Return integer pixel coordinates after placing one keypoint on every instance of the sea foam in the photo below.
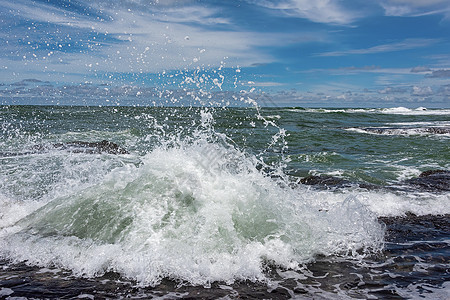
(197, 211)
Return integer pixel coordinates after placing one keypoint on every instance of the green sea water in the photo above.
(206, 195)
(315, 141)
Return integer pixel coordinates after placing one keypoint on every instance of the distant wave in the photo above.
(421, 124)
(417, 111)
(395, 110)
(404, 131)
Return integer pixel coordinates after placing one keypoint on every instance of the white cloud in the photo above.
(422, 91)
(420, 69)
(262, 83)
(415, 7)
(419, 3)
(148, 40)
(440, 60)
(393, 90)
(320, 11)
(406, 44)
(442, 73)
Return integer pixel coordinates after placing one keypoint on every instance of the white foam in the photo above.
(394, 204)
(12, 211)
(427, 123)
(426, 131)
(418, 111)
(395, 110)
(424, 291)
(198, 212)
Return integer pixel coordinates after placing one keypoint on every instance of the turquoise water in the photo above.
(208, 195)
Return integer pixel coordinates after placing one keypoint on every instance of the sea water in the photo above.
(209, 200)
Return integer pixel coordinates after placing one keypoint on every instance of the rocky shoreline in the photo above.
(410, 239)
(427, 181)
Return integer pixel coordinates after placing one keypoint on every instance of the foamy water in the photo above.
(210, 203)
(419, 111)
(178, 215)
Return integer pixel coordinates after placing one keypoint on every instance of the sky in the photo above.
(322, 53)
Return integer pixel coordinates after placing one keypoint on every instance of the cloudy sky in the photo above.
(379, 53)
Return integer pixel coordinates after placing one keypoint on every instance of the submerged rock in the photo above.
(91, 147)
(438, 130)
(433, 172)
(74, 147)
(428, 181)
(407, 130)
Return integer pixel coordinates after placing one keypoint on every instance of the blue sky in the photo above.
(380, 53)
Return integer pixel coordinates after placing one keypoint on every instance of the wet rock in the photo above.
(325, 181)
(431, 181)
(73, 147)
(438, 130)
(91, 147)
(414, 227)
(407, 130)
(331, 182)
(433, 172)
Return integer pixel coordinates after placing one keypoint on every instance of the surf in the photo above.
(194, 208)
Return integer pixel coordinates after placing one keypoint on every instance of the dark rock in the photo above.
(325, 180)
(378, 130)
(431, 180)
(74, 147)
(407, 130)
(369, 186)
(414, 227)
(432, 172)
(438, 130)
(91, 147)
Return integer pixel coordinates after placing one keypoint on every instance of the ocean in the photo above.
(224, 202)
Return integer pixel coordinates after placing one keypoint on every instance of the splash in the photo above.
(190, 202)
(197, 209)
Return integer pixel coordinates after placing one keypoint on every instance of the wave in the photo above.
(193, 208)
(197, 212)
(417, 111)
(441, 131)
(422, 124)
(395, 110)
(335, 110)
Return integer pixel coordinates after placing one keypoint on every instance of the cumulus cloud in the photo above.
(444, 91)
(393, 90)
(421, 91)
(33, 91)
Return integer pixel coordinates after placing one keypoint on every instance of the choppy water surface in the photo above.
(232, 202)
